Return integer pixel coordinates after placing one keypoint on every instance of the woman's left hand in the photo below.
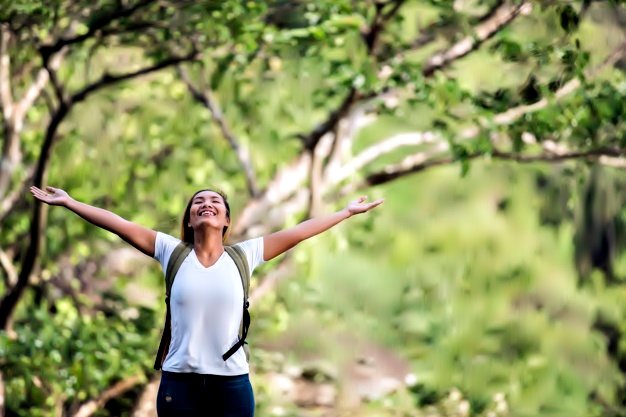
(360, 206)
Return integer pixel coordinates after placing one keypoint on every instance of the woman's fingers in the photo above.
(48, 190)
(35, 191)
(374, 204)
(40, 194)
(37, 195)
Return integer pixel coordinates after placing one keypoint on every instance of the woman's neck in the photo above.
(208, 246)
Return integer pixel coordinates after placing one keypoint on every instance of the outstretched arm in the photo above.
(138, 236)
(277, 243)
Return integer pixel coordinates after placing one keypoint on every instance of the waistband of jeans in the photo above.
(190, 376)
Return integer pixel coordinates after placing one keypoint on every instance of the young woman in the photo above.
(206, 297)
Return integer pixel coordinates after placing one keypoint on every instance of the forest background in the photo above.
(490, 283)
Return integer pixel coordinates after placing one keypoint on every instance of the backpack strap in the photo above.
(239, 257)
(176, 259)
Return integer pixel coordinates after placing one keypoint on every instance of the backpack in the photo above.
(176, 259)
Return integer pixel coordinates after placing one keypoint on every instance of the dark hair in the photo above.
(186, 231)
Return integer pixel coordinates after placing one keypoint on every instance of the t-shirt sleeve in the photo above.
(163, 248)
(253, 248)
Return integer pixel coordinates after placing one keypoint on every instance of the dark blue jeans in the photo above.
(195, 395)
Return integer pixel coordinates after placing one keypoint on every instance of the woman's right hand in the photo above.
(52, 196)
(140, 237)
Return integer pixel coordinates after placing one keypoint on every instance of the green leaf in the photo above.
(568, 18)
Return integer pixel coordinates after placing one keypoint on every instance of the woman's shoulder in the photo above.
(164, 245)
(166, 238)
(253, 248)
(248, 244)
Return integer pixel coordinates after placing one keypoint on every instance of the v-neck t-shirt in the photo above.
(206, 307)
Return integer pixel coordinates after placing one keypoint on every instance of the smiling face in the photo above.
(207, 208)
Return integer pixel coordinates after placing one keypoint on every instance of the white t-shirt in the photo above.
(206, 307)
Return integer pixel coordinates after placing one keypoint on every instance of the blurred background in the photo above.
(491, 282)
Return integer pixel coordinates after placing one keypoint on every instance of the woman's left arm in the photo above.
(277, 243)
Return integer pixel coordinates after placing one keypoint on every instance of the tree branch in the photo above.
(504, 15)
(6, 97)
(273, 217)
(318, 156)
(504, 118)
(29, 262)
(379, 149)
(96, 25)
(590, 154)
(409, 165)
(90, 407)
(10, 157)
(515, 113)
(311, 139)
(290, 179)
(380, 20)
(48, 100)
(613, 162)
(9, 269)
(10, 201)
(429, 34)
(57, 86)
(498, 17)
(13, 125)
(37, 87)
(207, 100)
(370, 37)
(286, 182)
(2, 395)
(108, 79)
(344, 137)
(422, 161)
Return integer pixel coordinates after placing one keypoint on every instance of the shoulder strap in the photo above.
(239, 257)
(173, 265)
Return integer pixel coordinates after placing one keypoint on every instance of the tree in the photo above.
(356, 66)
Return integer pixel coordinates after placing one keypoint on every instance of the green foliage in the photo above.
(63, 357)
(482, 277)
(469, 302)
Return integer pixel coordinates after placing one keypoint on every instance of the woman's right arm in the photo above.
(138, 236)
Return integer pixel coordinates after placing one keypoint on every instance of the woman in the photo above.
(206, 297)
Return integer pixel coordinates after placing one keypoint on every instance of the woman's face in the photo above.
(208, 210)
